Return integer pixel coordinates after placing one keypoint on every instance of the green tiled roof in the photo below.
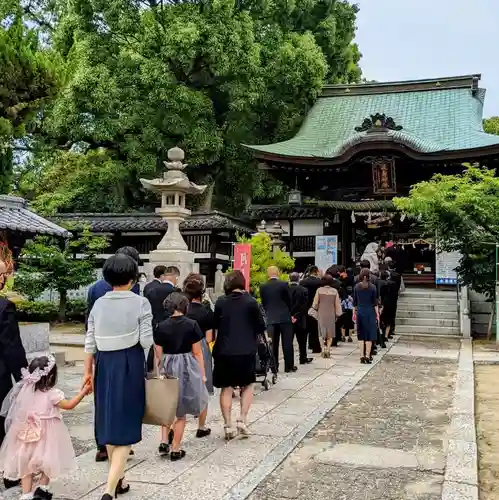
(434, 116)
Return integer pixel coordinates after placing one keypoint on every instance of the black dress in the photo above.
(238, 321)
(389, 297)
(365, 300)
(203, 315)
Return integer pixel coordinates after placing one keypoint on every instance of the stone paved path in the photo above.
(213, 469)
(387, 439)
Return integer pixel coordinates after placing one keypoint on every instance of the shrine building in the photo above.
(360, 146)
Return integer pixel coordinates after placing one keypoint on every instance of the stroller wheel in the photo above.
(274, 378)
(266, 384)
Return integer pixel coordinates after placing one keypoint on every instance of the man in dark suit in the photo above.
(299, 312)
(159, 276)
(276, 300)
(312, 282)
(157, 296)
(12, 355)
(160, 292)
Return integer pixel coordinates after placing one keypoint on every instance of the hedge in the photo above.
(45, 311)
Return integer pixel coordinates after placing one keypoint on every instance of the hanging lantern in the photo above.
(369, 219)
(402, 217)
(336, 218)
(352, 217)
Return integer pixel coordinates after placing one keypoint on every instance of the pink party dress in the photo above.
(37, 439)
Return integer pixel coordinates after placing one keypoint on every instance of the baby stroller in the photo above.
(265, 363)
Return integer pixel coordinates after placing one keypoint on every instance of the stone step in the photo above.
(426, 308)
(423, 323)
(415, 302)
(425, 330)
(425, 294)
(431, 315)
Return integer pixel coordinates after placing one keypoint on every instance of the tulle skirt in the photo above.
(52, 454)
(193, 396)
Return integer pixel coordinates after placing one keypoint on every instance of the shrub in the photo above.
(44, 311)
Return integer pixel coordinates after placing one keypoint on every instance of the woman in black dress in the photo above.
(238, 323)
(194, 290)
(389, 296)
(365, 314)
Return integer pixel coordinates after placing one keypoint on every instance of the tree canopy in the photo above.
(461, 212)
(28, 81)
(141, 76)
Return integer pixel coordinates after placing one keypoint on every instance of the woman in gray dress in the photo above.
(178, 344)
(328, 306)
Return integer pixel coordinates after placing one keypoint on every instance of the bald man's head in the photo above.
(273, 272)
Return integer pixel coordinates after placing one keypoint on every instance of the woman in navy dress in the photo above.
(365, 314)
(119, 329)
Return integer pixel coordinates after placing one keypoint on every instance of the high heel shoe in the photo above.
(120, 489)
(230, 432)
(242, 429)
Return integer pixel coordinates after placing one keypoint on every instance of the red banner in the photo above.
(242, 260)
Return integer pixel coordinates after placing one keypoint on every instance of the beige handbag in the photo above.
(162, 395)
(312, 312)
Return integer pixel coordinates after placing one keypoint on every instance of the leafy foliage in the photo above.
(46, 265)
(27, 82)
(145, 75)
(462, 213)
(44, 311)
(262, 257)
(491, 125)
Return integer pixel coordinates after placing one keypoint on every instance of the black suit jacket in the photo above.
(312, 284)
(276, 300)
(12, 355)
(157, 297)
(299, 304)
(150, 287)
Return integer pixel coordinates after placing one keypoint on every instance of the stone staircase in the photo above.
(422, 311)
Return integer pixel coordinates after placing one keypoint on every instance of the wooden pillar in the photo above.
(345, 238)
(291, 235)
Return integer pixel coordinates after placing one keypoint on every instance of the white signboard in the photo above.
(445, 269)
(326, 251)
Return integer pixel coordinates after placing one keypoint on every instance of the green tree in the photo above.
(461, 213)
(262, 257)
(491, 125)
(145, 75)
(45, 264)
(27, 83)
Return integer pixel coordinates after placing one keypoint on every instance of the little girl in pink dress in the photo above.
(37, 442)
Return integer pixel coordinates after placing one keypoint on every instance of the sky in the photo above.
(417, 39)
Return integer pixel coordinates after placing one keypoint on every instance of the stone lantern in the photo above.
(173, 188)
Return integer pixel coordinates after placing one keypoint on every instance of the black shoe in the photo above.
(132, 453)
(362, 361)
(101, 456)
(164, 449)
(41, 494)
(120, 489)
(201, 433)
(106, 496)
(374, 352)
(350, 339)
(290, 370)
(368, 361)
(306, 361)
(177, 455)
(390, 336)
(8, 483)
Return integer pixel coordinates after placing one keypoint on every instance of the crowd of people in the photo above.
(172, 330)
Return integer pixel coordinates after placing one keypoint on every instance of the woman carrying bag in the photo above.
(178, 347)
(119, 329)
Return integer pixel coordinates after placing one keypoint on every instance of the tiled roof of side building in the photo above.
(139, 221)
(15, 216)
(427, 116)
